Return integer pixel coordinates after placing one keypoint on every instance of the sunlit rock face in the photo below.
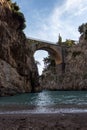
(18, 72)
(75, 75)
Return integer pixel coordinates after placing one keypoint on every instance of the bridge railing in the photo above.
(44, 41)
(48, 42)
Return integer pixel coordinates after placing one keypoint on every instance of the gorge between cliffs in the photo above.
(55, 100)
(18, 70)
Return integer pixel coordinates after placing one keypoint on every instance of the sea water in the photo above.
(48, 102)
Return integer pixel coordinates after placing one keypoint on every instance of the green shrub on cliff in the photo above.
(69, 42)
(21, 19)
(15, 7)
(17, 14)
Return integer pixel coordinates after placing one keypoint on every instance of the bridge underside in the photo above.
(54, 50)
(55, 55)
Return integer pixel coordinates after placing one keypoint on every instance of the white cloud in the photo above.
(63, 19)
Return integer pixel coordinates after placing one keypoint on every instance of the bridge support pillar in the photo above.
(60, 69)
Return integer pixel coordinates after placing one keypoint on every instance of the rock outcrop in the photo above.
(75, 76)
(18, 71)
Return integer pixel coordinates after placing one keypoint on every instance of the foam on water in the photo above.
(45, 111)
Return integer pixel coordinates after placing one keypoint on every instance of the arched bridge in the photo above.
(54, 50)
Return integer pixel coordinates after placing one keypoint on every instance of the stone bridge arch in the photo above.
(54, 50)
(56, 55)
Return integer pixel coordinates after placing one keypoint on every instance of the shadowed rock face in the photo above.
(18, 72)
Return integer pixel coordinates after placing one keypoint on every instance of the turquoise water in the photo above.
(45, 102)
(47, 98)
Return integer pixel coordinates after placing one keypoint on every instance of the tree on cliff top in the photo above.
(17, 14)
(83, 30)
(59, 40)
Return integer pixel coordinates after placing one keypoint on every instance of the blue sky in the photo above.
(45, 19)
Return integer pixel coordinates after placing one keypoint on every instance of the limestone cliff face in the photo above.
(75, 76)
(18, 72)
(76, 66)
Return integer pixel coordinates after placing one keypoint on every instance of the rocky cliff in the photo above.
(18, 72)
(75, 76)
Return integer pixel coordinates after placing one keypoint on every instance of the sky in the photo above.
(45, 19)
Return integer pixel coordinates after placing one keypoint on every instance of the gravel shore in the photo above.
(75, 121)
